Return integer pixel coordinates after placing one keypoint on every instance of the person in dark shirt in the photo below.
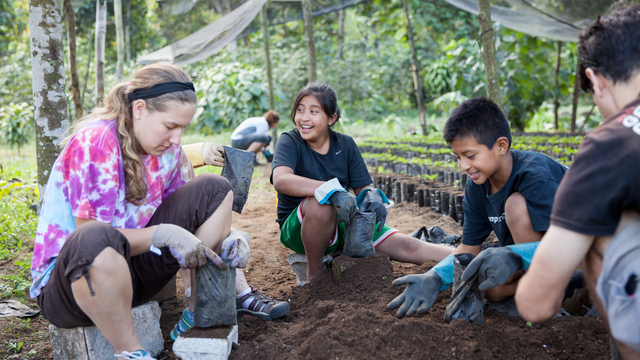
(313, 169)
(511, 193)
(595, 219)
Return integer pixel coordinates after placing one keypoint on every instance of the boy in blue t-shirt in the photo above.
(511, 193)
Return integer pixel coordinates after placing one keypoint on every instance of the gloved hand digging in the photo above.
(373, 202)
(184, 247)
(236, 247)
(419, 296)
(494, 266)
(345, 202)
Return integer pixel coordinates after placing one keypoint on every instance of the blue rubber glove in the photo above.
(496, 265)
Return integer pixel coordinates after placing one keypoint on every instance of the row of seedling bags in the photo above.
(441, 200)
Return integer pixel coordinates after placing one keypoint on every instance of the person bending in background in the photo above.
(312, 169)
(511, 193)
(253, 134)
(596, 214)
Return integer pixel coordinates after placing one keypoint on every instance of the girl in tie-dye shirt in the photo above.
(122, 211)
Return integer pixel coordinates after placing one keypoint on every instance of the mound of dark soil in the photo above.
(345, 317)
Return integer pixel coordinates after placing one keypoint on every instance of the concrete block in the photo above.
(87, 343)
(168, 292)
(194, 345)
(299, 265)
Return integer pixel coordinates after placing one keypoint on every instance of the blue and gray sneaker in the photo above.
(261, 306)
(136, 355)
(185, 323)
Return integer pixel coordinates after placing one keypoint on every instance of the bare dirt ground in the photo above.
(348, 320)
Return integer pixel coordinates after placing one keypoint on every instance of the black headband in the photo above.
(160, 89)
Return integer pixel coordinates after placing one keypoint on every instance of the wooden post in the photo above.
(488, 39)
(417, 81)
(267, 62)
(576, 93)
(74, 89)
(556, 102)
(311, 47)
(117, 11)
(101, 32)
(48, 84)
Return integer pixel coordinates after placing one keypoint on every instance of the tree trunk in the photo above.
(308, 33)
(117, 11)
(488, 38)
(417, 81)
(267, 63)
(127, 32)
(101, 32)
(340, 36)
(86, 74)
(556, 102)
(74, 89)
(48, 84)
(576, 93)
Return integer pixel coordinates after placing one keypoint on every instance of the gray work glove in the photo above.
(373, 202)
(419, 296)
(236, 248)
(213, 154)
(184, 247)
(494, 266)
(346, 205)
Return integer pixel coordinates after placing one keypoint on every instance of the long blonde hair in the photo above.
(117, 106)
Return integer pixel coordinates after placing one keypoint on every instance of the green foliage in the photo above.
(15, 123)
(228, 94)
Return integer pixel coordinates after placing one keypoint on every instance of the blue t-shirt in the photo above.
(342, 161)
(535, 176)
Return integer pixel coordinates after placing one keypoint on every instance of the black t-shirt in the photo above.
(342, 161)
(604, 179)
(535, 176)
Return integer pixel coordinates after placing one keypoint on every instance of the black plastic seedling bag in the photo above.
(358, 240)
(215, 295)
(435, 235)
(238, 169)
(466, 298)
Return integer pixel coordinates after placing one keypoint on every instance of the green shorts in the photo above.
(290, 233)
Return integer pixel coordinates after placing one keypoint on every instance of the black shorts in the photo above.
(189, 207)
(245, 142)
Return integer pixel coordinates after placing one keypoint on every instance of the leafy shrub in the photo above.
(15, 123)
(228, 94)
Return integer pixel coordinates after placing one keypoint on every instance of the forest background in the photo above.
(364, 55)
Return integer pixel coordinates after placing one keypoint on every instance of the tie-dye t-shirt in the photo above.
(87, 182)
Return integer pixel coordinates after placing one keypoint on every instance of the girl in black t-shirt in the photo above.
(313, 168)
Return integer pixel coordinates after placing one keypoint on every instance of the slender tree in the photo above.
(488, 39)
(74, 89)
(308, 34)
(556, 101)
(267, 63)
(576, 93)
(417, 81)
(117, 11)
(48, 83)
(101, 32)
(127, 32)
(340, 35)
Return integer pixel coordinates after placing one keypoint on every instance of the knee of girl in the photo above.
(313, 210)
(213, 181)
